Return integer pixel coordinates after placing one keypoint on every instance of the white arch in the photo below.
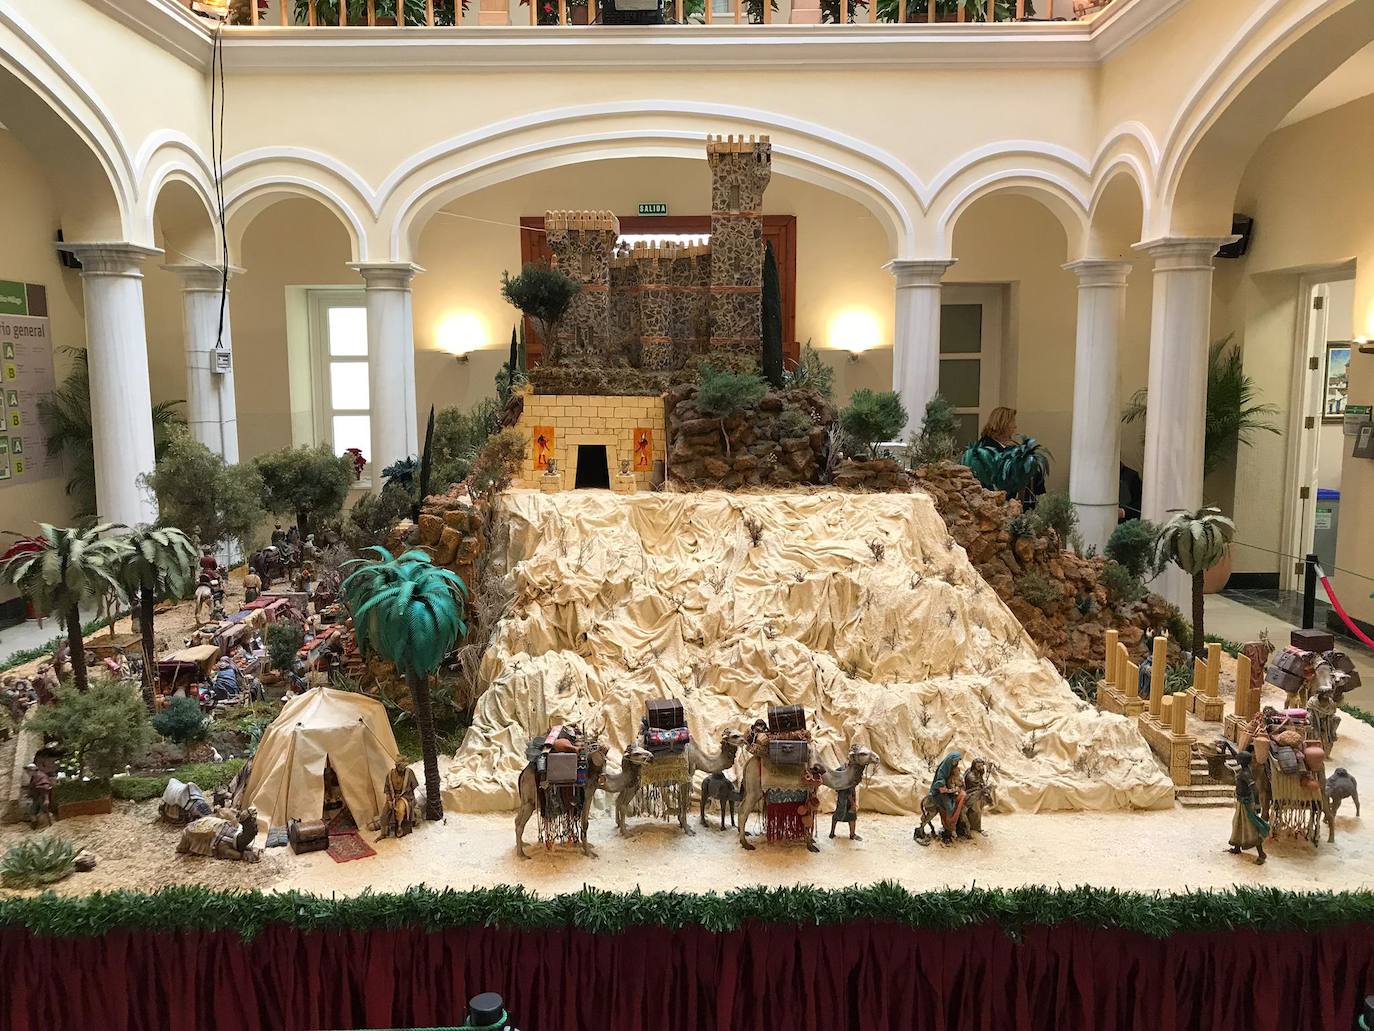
(34, 62)
(1066, 200)
(169, 156)
(246, 202)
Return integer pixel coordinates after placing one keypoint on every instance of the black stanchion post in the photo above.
(1309, 592)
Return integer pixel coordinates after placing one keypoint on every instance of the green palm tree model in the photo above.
(75, 566)
(158, 565)
(1195, 542)
(410, 611)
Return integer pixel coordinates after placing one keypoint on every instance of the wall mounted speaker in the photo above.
(1244, 227)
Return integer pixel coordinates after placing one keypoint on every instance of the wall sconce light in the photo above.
(854, 330)
(460, 333)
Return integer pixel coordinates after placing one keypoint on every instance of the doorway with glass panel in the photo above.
(970, 354)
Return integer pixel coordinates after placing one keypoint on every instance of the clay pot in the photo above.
(1214, 580)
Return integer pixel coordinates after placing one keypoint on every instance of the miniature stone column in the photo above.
(121, 400)
(211, 412)
(1175, 424)
(740, 171)
(1178, 717)
(1095, 451)
(916, 335)
(1199, 676)
(1213, 669)
(1109, 657)
(390, 363)
(1244, 696)
(1158, 665)
(1124, 683)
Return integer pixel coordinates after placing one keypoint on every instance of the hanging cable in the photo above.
(217, 96)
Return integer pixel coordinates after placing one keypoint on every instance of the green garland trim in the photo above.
(1358, 713)
(1157, 915)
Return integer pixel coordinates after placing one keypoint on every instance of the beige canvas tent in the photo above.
(349, 730)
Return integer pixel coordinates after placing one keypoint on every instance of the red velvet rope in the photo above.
(1340, 610)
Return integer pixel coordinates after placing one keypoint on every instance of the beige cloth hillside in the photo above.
(350, 730)
(619, 599)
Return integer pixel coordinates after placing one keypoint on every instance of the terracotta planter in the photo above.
(1214, 580)
(85, 807)
(580, 15)
(386, 21)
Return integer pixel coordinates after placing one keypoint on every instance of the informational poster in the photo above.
(26, 378)
(1356, 417)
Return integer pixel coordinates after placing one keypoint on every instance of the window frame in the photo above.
(319, 303)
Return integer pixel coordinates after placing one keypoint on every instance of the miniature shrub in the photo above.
(1177, 626)
(138, 789)
(373, 515)
(722, 393)
(1038, 589)
(1023, 525)
(37, 861)
(1122, 586)
(102, 730)
(793, 422)
(182, 721)
(873, 417)
(458, 436)
(284, 638)
(544, 294)
(1056, 512)
(1132, 545)
(309, 483)
(938, 438)
(70, 789)
(810, 373)
(499, 462)
(206, 776)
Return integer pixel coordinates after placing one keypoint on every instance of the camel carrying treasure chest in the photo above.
(665, 784)
(779, 775)
(1290, 774)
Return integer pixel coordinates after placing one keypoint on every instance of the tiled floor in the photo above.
(1236, 616)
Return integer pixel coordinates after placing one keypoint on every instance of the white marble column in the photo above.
(1175, 422)
(916, 334)
(390, 362)
(117, 354)
(1095, 451)
(210, 410)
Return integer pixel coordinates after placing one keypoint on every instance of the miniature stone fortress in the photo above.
(655, 305)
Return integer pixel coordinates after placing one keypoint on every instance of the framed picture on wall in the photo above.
(1336, 381)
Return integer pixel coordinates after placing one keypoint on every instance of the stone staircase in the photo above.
(1206, 791)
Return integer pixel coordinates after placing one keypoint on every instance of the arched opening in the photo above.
(1007, 321)
(841, 299)
(295, 286)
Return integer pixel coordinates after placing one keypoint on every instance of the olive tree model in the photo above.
(410, 612)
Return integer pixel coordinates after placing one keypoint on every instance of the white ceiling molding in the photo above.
(166, 23)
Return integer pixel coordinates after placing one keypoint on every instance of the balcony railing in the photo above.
(447, 13)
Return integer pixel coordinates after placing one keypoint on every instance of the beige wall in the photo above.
(1354, 575)
(28, 224)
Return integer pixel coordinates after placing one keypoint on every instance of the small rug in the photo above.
(346, 847)
(276, 837)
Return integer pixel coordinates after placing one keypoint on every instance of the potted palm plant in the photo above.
(1195, 542)
(1234, 416)
(409, 611)
(948, 10)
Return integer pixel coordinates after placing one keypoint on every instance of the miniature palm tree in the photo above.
(411, 612)
(158, 565)
(1195, 542)
(74, 566)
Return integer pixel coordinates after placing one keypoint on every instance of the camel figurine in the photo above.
(597, 780)
(759, 776)
(219, 838)
(719, 788)
(701, 761)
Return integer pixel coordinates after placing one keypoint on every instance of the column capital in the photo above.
(199, 277)
(1092, 272)
(919, 271)
(110, 258)
(1183, 253)
(386, 275)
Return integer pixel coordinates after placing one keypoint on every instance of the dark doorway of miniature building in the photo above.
(592, 469)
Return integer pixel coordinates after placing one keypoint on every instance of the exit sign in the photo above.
(653, 209)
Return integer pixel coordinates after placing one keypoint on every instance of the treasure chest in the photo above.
(1290, 669)
(1312, 640)
(665, 714)
(788, 753)
(307, 835)
(561, 768)
(786, 718)
(656, 740)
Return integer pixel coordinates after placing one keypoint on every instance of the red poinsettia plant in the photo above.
(358, 461)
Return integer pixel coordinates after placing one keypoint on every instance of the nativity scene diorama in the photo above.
(664, 595)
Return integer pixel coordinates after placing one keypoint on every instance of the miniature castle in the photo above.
(656, 304)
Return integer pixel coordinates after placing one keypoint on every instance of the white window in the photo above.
(970, 331)
(338, 339)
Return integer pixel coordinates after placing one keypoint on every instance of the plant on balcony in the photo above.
(948, 10)
(830, 10)
(384, 11)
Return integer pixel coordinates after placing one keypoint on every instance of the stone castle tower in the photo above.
(740, 170)
(582, 242)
